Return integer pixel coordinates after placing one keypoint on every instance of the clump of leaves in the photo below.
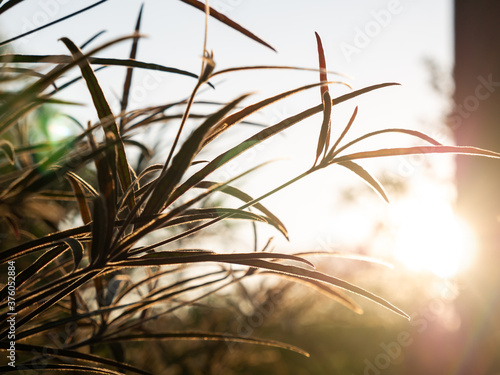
(78, 284)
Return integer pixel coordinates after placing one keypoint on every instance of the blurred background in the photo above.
(440, 231)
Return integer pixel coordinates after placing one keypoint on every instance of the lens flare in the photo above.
(434, 239)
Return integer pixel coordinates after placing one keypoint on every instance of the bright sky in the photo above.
(372, 41)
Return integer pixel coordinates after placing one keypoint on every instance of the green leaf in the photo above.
(8, 149)
(322, 65)
(65, 59)
(461, 150)
(222, 18)
(53, 369)
(9, 4)
(91, 39)
(15, 2)
(413, 133)
(230, 190)
(369, 179)
(272, 67)
(106, 117)
(166, 258)
(205, 336)
(65, 353)
(342, 135)
(128, 78)
(81, 198)
(324, 136)
(359, 257)
(101, 231)
(324, 289)
(77, 251)
(315, 275)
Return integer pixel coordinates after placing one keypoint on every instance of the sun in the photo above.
(433, 238)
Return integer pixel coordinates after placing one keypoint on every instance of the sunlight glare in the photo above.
(59, 128)
(434, 239)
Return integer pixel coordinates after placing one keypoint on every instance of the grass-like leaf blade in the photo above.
(324, 135)
(128, 78)
(65, 353)
(76, 249)
(106, 116)
(222, 18)
(369, 179)
(458, 150)
(323, 288)
(8, 149)
(235, 192)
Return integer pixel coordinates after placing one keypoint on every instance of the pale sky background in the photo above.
(399, 36)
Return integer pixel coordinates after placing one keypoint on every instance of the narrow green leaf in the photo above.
(53, 369)
(359, 257)
(60, 352)
(222, 18)
(83, 183)
(325, 289)
(272, 67)
(322, 65)
(460, 150)
(9, 4)
(101, 231)
(91, 39)
(154, 259)
(230, 190)
(77, 251)
(8, 149)
(212, 213)
(315, 275)
(22, 73)
(81, 198)
(6, 6)
(128, 78)
(65, 59)
(324, 135)
(205, 336)
(413, 133)
(176, 253)
(342, 135)
(106, 117)
(369, 179)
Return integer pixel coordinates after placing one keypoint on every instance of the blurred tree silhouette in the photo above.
(475, 121)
